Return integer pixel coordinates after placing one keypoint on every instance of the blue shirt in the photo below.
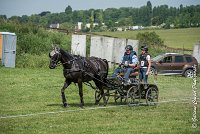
(134, 59)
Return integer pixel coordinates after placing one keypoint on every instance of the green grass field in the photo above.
(34, 91)
(175, 38)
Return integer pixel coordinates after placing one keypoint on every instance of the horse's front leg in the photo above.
(80, 85)
(66, 84)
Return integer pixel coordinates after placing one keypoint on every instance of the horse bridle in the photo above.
(59, 56)
(57, 60)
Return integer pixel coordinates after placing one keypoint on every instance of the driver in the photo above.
(129, 62)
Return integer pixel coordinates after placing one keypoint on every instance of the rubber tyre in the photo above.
(152, 96)
(189, 73)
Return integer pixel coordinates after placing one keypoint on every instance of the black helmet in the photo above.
(129, 47)
(144, 48)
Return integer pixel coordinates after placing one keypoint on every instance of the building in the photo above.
(88, 25)
(55, 26)
(79, 25)
(136, 27)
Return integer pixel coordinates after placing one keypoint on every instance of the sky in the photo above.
(29, 7)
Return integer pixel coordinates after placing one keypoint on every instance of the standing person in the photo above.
(145, 64)
(129, 61)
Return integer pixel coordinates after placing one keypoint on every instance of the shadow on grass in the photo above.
(72, 105)
(99, 105)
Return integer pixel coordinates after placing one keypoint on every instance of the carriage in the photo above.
(131, 93)
(80, 70)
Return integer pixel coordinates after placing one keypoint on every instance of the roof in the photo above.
(171, 53)
(176, 54)
(7, 33)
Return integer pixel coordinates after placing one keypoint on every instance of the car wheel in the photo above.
(189, 73)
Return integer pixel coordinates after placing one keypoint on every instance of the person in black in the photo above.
(129, 62)
(145, 64)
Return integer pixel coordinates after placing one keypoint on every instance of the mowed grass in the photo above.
(175, 38)
(32, 91)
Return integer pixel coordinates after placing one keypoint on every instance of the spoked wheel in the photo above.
(133, 95)
(116, 96)
(152, 96)
(99, 96)
(119, 98)
(106, 95)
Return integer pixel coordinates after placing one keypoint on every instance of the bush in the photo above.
(34, 42)
(32, 61)
(153, 41)
(149, 38)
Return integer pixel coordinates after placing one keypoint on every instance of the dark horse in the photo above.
(78, 69)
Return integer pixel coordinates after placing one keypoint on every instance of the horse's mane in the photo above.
(66, 54)
(69, 55)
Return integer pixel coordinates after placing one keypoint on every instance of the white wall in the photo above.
(134, 44)
(111, 49)
(102, 47)
(118, 49)
(196, 52)
(78, 45)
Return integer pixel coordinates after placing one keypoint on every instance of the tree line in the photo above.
(147, 15)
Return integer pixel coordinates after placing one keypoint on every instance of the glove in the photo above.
(126, 64)
(121, 64)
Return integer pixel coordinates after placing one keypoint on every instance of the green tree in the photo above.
(149, 38)
(91, 19)
(24, 19)
(43, 21)
(156, 21)
(99, 17)
(149, 13)
(68, 10)
(3, 17)
(126, 21)
(44, 13)
(195, 20)
(109, 24)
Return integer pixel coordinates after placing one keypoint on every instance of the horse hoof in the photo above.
(104, 104)
(96, 103)
(81, 105)
(65, 105)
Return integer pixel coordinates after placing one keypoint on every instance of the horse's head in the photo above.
(55, 57)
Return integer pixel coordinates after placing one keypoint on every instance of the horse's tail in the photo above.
(107, 67)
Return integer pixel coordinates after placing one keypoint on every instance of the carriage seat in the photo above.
(132, 75)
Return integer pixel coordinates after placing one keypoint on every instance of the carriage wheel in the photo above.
(116, 96)
(152, 96)
(106, 95)
(119, 98)
(98, 96)
(133, 95)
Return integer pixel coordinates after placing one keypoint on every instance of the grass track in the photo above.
(26, 91)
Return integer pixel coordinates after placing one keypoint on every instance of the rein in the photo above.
(59, 62)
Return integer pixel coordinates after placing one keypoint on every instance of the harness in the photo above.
(143, 60)
(84, 67)
(128, 57)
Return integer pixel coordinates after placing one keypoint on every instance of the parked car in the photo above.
(174, 63)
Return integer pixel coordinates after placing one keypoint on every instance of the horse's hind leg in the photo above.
(80, 85)
(100, 87)
(66, 84)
